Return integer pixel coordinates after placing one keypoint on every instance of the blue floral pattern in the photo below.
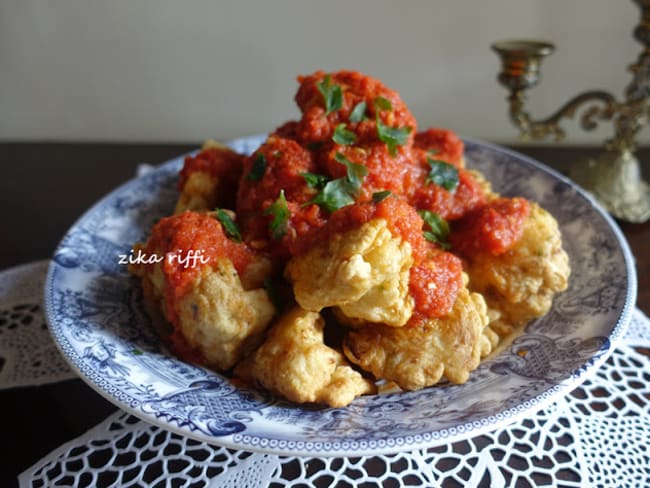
(97, 317)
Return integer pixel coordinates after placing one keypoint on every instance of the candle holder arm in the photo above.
(604, 107)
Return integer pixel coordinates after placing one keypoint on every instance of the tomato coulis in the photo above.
(316, 125)
(494, 228)
(386, 172)
(441, 144)
(450, 205)
(221, 163)
(285, 163)
(434, 284)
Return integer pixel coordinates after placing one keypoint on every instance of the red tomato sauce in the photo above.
(223, 164)
(441, 144)
(285, 161)
(494, 228)
(385, 172)
(450, 205)
(434, 285)
(318, 126)
(190, 231)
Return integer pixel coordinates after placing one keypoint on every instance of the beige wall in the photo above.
(183, 71)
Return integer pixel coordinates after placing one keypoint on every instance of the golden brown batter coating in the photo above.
(519, 284)
(294, 363)
(415, 357)
(222, 319)
(209, 179)
(364, 271)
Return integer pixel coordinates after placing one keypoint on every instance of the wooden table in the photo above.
(45, 187)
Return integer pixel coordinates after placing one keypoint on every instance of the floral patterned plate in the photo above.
(96, 315)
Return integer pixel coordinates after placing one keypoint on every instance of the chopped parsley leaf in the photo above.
(343, 136)
(258, 169)
(332, 94)
(334, 195)
(341, 191)
(378, 196)
(392, 136)
(443, 174)
(356, 172)
(358, 112)
(314, 180)
(280, 212)
(438, 228)
(382, 103)
(229, 226)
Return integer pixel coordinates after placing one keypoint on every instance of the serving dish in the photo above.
(97, 317)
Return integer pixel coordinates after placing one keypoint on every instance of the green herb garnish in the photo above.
(229, 226)
(343, 136)
(280, 212)
(358, 112)
(336, 194)
(438, 228)
(355, 174)
(382, 103)
(258, 169)
(443, 174)
(392, 136)
(136, 352)
(341, 191)
(315, 180)
(378, 196)
(332, 94)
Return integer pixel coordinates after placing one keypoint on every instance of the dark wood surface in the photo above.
(45, 187)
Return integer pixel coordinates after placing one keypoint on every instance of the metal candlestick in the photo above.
(614, 178)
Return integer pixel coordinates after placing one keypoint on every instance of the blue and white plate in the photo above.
(96, 315)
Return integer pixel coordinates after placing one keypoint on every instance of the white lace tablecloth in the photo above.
(599, 435)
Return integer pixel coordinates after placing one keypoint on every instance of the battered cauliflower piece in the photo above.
(209, 179)
(198, 193)
(519, 284)
(221, 319)
(418, 356)
(217, 307)
(294, 363)
(363, 271)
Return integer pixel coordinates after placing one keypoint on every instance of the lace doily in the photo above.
(27, 353)
(596, 436)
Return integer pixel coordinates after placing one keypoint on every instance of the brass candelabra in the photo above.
(614, 178)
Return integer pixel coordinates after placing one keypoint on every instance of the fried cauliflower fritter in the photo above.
(294, 363)
(222, 319)
(418, 356)
(217, 307)
(363, 271)
(209, 179)
(198, 193)
(519, 284)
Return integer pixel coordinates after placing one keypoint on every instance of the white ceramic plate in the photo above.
(96, 315)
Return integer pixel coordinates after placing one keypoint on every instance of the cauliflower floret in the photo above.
(294, 363)
(209, 179)
(198, 193)
(216, 305)
(418, 356)
(519, 284)
(222, 319)
(364, 271)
